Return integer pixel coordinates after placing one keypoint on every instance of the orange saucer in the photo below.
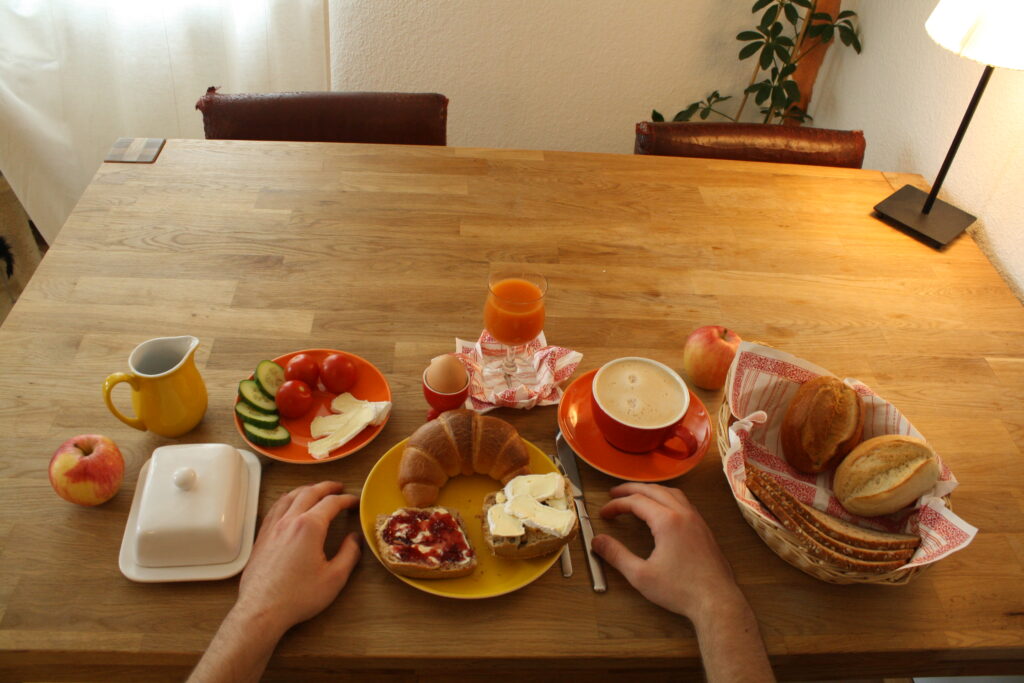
(576, 420)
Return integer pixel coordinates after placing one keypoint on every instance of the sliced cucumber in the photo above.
(254, 417)
(278, 436)
(251, 394)
(269, 377)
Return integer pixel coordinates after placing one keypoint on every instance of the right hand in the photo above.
(686, 572)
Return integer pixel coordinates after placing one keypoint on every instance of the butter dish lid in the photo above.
(193, 514)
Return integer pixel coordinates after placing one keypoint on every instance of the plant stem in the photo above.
(723, 114)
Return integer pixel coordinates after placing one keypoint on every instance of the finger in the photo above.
(650, 511)
(347, 556)
(278, 509)
(617, 555)
(671, 497)
(308, 496)
(329, 506)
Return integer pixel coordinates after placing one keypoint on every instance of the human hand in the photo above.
(686, 572)
(288, 578)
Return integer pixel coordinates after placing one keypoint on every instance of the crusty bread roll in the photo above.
(459, 442)
(425, 543)
(885, 474)
(822, 424)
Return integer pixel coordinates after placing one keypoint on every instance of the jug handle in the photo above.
(108, 385)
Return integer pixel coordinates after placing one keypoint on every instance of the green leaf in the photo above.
(806, 4)
(779, 98)
(749, 35)
(815, 30)
(760, 4)
(792, 15)
(685, 114)
(704, 113)
(776, 29)
(784, 40)
(771, 15)
(792, 91)
(846, 13)
(845, 35)
(782, 52)
(656, 115)
(723, 99)
(749, 49)
(822, 16)
(787, 70)
(762, 95)
(766, 56)
(827, 34)
(856, 43)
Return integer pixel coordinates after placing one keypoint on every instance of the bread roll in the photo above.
(459, 442)
(534, 542)
(885, 474)
(822, 424)
(425, 543)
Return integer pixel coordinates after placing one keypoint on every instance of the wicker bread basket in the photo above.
(786, 545)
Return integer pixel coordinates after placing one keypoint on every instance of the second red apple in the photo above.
(707, 355)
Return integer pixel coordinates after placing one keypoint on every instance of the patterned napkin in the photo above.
(762, 380)
(541, 369)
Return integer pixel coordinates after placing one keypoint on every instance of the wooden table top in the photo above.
(264, 248)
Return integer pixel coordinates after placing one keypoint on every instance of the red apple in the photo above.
(707, 355)
(87, 469)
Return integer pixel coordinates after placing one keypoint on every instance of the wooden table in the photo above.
(264, 248)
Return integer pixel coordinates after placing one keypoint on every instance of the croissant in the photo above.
(459, 442)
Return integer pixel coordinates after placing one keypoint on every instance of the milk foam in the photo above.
(639, 394)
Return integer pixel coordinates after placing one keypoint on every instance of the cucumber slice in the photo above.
(278, 436)
(269, 377)
(251, 394)
(248, 414)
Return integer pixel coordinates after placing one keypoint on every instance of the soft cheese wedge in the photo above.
(352, 416)
(347, 402)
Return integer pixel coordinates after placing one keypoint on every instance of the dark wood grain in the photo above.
(263, 248)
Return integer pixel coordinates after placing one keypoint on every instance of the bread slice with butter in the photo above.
(534, 540)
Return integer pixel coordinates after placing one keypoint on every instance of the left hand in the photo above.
(288, 578)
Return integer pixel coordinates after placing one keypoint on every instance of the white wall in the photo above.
(542, 74)
(909, 94)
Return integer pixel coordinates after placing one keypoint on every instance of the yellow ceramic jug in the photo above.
(168, 393)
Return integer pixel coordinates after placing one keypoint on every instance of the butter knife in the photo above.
(566, 556)
(572, 473)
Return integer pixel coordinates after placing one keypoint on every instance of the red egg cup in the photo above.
(439, 402)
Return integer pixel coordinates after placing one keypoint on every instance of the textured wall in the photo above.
(542, 74)
(909, 94)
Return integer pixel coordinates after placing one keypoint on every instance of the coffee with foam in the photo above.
(639, 393)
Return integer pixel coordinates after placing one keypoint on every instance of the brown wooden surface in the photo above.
(264, 248)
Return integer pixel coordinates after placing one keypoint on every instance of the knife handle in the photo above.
(596, 570)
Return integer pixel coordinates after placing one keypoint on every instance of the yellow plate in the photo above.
(494, 575)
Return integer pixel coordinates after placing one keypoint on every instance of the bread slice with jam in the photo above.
(425, 543)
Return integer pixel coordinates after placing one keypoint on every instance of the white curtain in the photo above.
(77, 74)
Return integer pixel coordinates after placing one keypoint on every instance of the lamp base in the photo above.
(936, 229)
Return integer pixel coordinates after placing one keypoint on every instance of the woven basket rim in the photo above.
(783, 542)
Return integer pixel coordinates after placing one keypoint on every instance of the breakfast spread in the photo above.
(531, 516)
(885, 474)
(822, 424)
(424, 543)
(459, 442)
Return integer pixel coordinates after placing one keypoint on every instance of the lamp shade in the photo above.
(987, 31)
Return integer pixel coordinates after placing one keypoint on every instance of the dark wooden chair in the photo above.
(373, 117)
(752, 142)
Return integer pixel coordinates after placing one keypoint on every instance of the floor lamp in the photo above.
(986, 31)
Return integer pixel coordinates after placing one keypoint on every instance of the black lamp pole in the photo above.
(927, 218)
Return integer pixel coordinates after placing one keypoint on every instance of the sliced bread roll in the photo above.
(425, 543)
(885, 474)
(533, 542)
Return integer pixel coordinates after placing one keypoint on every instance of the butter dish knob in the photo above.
(185, 478)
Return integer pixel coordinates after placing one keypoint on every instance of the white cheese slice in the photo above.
(535, 514)
(346, 402)
(355, 422)
(501, 523)
(539, 486)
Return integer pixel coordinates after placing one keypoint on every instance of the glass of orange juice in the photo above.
(514, 312)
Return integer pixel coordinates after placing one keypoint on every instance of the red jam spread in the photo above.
(427, 537)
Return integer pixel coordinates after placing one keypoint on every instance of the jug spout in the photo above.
(162, 356)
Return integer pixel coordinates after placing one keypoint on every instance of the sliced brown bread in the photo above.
(534, 543)
(425, 543)
(840, 530)
(810, 540)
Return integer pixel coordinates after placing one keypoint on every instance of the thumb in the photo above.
(344, 561)
(617, 555)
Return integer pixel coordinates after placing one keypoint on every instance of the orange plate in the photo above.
(576, 420)
(370, 386)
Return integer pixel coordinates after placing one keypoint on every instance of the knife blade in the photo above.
(566, 556)
(572, 473)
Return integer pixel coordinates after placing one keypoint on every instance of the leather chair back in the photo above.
(752, 142)
(372, 117)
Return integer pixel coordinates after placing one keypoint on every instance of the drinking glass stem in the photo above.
(508, 366)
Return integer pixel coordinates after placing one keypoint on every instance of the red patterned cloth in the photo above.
(541, 371)
(761, 383)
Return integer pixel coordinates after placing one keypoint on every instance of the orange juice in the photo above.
(514, 312)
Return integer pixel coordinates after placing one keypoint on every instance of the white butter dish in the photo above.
(193, 515)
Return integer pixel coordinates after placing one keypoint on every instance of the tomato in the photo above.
(338, 373)
(294, 398)
(304, 367)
